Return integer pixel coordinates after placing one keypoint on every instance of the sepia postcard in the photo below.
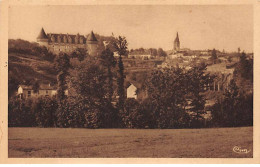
(129, 82)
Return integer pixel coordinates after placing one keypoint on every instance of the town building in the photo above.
(140, 56)
(67, 43)
(175, 55)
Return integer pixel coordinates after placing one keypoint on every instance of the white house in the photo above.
(131, 91)
(134, 89)
(25, 91)
(116, 54)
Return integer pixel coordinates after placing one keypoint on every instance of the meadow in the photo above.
(129, 143)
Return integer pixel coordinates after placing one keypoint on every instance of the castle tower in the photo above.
(42, 38)
(176, 44)
(92, 44)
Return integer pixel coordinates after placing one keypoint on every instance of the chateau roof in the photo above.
(92, 37)
(42, 35)
(66, 38)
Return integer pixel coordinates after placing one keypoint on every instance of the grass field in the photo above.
(167, 143)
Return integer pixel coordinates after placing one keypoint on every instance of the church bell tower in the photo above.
(176, 43)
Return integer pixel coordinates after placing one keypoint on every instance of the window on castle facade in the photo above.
(65, 39)
(59, 39)
(70, 40)
(76, 39)
(53, 39)
(81, 40)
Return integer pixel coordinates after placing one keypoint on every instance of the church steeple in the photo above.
(176, 44)
(177, 38)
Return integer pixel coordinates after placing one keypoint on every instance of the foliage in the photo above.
(62, 65)
(36, 87)
(176, 97)
(79, 53)
(120, 84)
(108, 40)
(13, 83)
(161, 53)
(108, 61)
(234, 110)
(153, 52)
(44, 109)
(214, 56)
(87, 86)
(133, 116)
(120, 45)
(198, 81)
(20, 113)
(167, 93)
(244, 68)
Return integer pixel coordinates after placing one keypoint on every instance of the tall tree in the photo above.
(161, 53)
(235, 109)
(214, 56)
(62, 65)
(107, 59)
(245, 67)
(120, 45)
(243, 74)
(88, 87)
(198, 79)
(36, 86)
(167, 90)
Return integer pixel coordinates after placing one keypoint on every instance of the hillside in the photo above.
(28, 62)
(27, 68)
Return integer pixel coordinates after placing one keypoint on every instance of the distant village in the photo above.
(139, 61)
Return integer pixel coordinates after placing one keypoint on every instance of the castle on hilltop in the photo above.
(67, 43)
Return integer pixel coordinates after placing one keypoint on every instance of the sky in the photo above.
(149, 26)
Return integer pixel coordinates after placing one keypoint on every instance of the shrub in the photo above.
(20, 113)
(44, 109)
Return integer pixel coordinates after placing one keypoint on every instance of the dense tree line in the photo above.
(176, 97)
(236, 106)
(234, 109)
(89, 104)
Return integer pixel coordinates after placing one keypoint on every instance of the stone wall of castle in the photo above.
(68, 43)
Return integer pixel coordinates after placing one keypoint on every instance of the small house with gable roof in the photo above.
(27, 91)
(135, 90)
